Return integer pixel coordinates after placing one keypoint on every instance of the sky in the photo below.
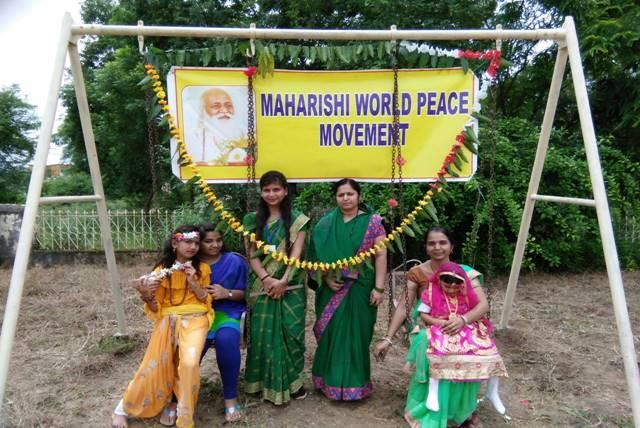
(29, 33)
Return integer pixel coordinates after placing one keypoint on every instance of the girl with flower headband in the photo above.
(456, 345)
(175, 297)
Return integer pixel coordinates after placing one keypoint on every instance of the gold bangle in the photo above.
(379, 290)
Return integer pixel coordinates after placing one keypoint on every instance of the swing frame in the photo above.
(568, 49)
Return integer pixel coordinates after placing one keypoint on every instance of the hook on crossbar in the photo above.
(251, 50)
(393, 30)
(141, 39)
(499, 40)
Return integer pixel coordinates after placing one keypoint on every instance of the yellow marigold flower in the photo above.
(277, 255)
(333, 265)
(422, 203)
(285, 259)
(245, 233)
(430, 193)
(440, 189)
(292, 261)
(219, 208)
(240, 229)
(358, 259)
(298, 264)
(165, 108)
(303, 264)
(155, 77)
(391, 236)
(398, 229)
(252, 237)
(339, 263)
(315, 265)
(259, 244)
(148, 66)
(161, 94)
(412, 215)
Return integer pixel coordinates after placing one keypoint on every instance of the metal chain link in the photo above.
(251, 146)
(396, 155)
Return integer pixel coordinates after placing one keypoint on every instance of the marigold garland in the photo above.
(465, 138)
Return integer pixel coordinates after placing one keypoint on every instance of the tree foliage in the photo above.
(17, 124)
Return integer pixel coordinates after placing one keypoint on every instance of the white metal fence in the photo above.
(79, 230)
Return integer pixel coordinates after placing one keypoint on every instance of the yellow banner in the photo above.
(320, 125)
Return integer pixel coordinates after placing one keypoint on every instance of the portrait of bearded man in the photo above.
(220, 135)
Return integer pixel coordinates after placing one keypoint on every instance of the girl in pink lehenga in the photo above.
(463, 351)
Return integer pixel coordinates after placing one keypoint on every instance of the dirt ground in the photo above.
(562, 353)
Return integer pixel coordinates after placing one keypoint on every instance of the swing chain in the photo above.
(396, 159)
(251, 142)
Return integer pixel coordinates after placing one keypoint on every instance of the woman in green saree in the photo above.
(275, 357)
(346, 308)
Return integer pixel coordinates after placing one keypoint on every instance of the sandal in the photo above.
(232, 414)
(168, 416)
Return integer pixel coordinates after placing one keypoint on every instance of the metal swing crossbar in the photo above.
(568, 50)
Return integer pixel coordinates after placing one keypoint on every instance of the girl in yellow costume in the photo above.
(176, 299)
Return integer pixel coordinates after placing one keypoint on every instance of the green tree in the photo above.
(17, 124)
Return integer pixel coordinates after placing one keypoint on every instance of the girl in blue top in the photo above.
(228, 285)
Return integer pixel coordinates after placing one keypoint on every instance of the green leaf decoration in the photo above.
(144, 81)
(470, 146)
(359, 50)
(221, 226)
(228, 52)
(465, 64)
(434, 61)
(267, 259)
(462, 156)
(391, 249)
(433, 213)
(324, 53)
(272, 64)
(457, 162)
(281, 52)
(381, 51)
(368, 263)
(408, 231)
(313, 52)
(480, 117)
(207, 54)
(343, 54)
(447, 61)
(371, 50)
(451, 172)
(338, 274)
(164, 121)
(417, 228)
(387, 47)
(398, 242)
(153, 112)
(294, 52)
(319, 277)
(423, 60)
(305, 51)
(180, 57)
(259, 45)
(472, 134)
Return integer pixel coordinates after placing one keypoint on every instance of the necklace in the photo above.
(452, 313)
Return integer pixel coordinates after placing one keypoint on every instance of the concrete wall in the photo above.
(10, 222)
